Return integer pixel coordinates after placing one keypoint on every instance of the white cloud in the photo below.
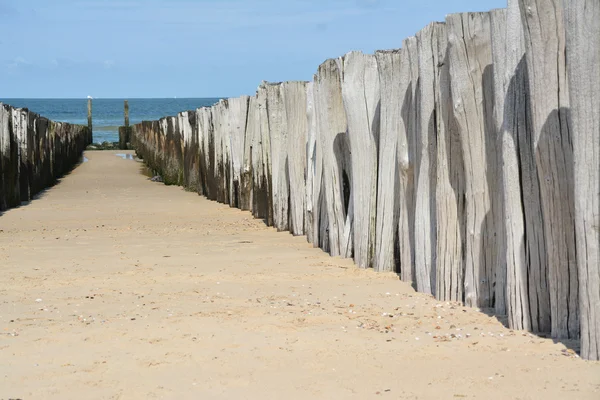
(108, 64)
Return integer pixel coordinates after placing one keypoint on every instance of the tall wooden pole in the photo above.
(126, 113)
(90, 115)
(583, 52)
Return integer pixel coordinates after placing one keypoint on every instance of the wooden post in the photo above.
(551, 135)
(90, 114)
(361, 100)
(126, 113)
(294, 102)
(583, 52)
(388, 176)
(125, 130)
(469, 43)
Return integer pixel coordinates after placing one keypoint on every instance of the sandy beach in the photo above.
(116, 287)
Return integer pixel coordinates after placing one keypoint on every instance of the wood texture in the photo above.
(207, 153)
(332, 131)
(261, 162)
(409, 75)
(388, 184)
(501, 63)
(236, 133)
(252, 131)
(450, 194)
(278, 134)
(313, 176)
(191, 154)
(431, 45)
(582, 23)
(360, 92)
(296, 126)
(469, 54)
(545, 50)
(278, 150)
(527, 297)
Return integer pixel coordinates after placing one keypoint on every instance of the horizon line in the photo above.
(112, 98)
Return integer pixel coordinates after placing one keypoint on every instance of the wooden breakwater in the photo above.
(468, 161)
(34, 153)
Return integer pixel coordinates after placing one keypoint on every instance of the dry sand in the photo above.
(115, 287)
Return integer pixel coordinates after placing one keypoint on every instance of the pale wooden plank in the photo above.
(252, 132)
(278, 154)
(313, 175)
(337, 174)
(409, 75)
(582, 23)
(431, 46)
(296, 123)
(388, 66)
(361, 98)
(238, 115)
(470, 58)
(551, 135)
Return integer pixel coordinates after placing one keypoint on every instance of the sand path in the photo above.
(115, 287)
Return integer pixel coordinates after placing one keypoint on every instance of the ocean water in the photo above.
(107, 114)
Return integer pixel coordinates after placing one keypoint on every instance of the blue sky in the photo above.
(193, 48)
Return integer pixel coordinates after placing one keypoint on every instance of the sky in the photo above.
(193, 48)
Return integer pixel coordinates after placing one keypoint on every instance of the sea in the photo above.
(107, 114)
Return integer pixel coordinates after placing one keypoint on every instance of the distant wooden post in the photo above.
(126, 113)
(90, 115)
(125, 130)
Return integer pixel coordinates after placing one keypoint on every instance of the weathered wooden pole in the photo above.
(551, 135)
(126, 113)
(125, 130)
(90, 115)
(361, 100)
(469, 44)
(337, 172)
(583, 52)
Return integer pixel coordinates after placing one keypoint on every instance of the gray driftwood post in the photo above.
(582, 20)
(361, 99)
(431, 48)
(510, 281)
(261, 161)
(450, 195)
(294, 101)
(238, 110)
(337, 174)
(409, 76)
(553, 149)
(470, 59)
(252, 131)
(278, 142)
(388, 66)
(314, 174)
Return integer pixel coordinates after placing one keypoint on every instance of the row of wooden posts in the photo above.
(468, 161)
(34, 153)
